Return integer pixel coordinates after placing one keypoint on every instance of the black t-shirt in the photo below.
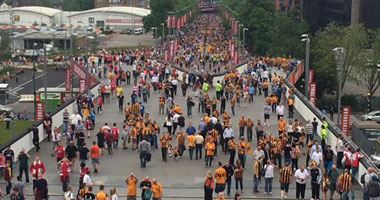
(83, 153)
(315, 125)
(328, 155)
(41, 184)
(296, 136)
(314, 173)
(287, 151)
(80, 136)
(71, 151)
(100, 136)
(23, 159)
(9, 154)
(35, 132)
(89, 196)
(145, 184)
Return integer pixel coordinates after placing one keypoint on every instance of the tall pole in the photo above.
(72, 54)
(162, 38)
(307, 67)
(45, 78)
(34, 81)
(10, 34)
(340, 56)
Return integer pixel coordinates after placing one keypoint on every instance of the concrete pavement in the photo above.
(182, 179)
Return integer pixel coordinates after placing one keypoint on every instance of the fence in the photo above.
(24, 140)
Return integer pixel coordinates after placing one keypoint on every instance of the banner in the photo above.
(230, 45)
(82, 85)
(236, 58)
(313, 93)
(232, 50)
(311, 75)
(236, 26)
(175, 45)
(40, 111)
(345, 120)
(171, 49)
(166, 55)
(178, 23)
(68, 80)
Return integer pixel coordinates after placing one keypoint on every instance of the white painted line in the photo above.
(16, 88)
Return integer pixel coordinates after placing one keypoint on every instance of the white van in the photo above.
(138, 31)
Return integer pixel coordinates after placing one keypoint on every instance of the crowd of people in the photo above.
(252, 144)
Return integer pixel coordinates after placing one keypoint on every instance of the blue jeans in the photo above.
(65, 125)
(255, 183)
(65, 183)
(354, 172)
(155, 141)
(143, 159)
(268, 185)
(289, 160)
(209, 161)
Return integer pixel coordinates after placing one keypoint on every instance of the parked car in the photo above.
(138, 31)
(372, 116)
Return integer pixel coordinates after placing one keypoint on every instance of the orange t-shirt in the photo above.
(220, 175)
(191, 140)
(131, 186)
(101, 195)
(281, 125)
(210, 147)
(94, 151)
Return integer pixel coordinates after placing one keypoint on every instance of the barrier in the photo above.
(24, 140)
(308, 111)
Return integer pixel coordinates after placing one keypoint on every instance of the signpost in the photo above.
(345, 119)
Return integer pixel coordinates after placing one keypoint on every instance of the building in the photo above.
(319, 13)
(131, 3)
(35, 16)
(286, 5)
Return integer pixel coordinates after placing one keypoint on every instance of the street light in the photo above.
(34, 79)
(307, 66)
(162, 37)
(244, 29)
(340, 56)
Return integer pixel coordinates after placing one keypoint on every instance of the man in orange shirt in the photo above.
(220, 178)
(95, 153)
(131, 187)
(210, 148)
(191, 144)
(101, 195)
(242, 124)
(281, 126)
(156, 190)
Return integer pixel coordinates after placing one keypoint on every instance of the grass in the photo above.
(19, 125)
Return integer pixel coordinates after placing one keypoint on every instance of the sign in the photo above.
(345, 120)
(16, 18)
(68, 79)
(40, 111)
(77, 69)
(311, 76)
(91, 20)
(124, 21)
(313, 93)
(82, 85)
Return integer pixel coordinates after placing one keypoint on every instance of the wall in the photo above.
(24, 141)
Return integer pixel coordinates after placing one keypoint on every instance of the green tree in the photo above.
(71, 5)
(5, 45)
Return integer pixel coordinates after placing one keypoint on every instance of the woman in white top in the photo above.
(169, 122)
(69, 193)
(113, 194)
(87, 179)
(269, 174)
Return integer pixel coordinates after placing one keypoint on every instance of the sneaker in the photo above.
(312, 199)
(242, 191)
(270, 193)
(265, 192)
(286, 197)
(205, 166)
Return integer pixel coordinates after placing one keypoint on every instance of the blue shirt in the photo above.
(202, 125)
(190, 130)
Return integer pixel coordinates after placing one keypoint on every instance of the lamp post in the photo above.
(340, 56)
(34, 79)
(244, 30)
(307, 66)
(162, 37)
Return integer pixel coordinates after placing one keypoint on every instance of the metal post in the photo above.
(340, 56)
(307, 67)
(162, 38)
(45, 79)
(34, 81)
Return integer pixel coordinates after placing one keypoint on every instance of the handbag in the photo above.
(148, 157)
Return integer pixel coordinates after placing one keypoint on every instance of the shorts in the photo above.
(130, 197)
(95, 161)
(285, 187)
(125, 136)
(266, 116)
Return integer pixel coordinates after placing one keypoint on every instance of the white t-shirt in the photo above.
(269, 171)
(175, 118)
(87, 179)
(74, 118)
(57, 137)
(317, 157)
(280, 110)
(114, 197)
(301, 175)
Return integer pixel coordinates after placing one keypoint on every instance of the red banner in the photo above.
(313, 93)
(171, 49)
(311, 76)
(168, 22)
(175, 45)
(178, 23)
(232, 50)
(68, 79)
(166, 55)
(230, 45)
(82, 85)
(236, 26)
(236, 58)
(40, 111)
(345, 119)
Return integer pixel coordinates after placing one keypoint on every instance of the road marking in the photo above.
(16, 88)
(60, 85)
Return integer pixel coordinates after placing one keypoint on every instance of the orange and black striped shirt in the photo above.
(345, 181)
(285, 175)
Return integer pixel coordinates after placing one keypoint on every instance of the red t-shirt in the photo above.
(59, 151)
(115, 133)
(355, 159)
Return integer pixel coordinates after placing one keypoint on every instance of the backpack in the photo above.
(181, 121)
(362, 178)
